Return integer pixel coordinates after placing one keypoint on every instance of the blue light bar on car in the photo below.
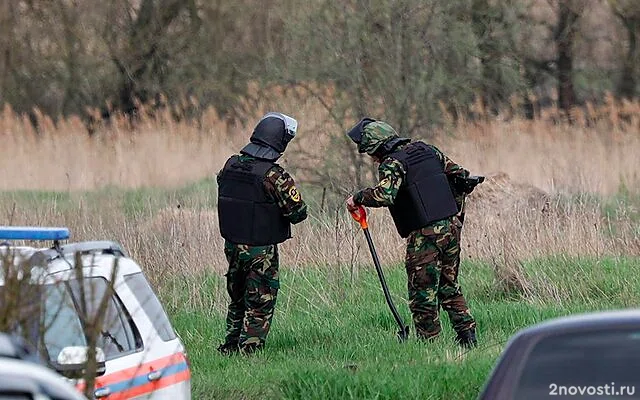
(32, 233)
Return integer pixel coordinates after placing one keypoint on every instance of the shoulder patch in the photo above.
(294, 194)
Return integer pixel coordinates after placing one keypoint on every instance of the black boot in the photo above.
(467, 338)
(251, 348)
(228, 348)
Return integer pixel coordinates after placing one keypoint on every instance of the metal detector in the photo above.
(360, 215)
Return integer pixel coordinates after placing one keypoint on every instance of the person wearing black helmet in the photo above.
(417, 184)
(257, 203)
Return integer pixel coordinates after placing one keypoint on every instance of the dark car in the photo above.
(585, 356)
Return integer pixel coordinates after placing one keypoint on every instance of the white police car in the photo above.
(143, 357)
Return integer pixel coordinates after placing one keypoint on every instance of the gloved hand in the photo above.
(351, 205)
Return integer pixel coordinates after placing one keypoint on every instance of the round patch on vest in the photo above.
(294, 194)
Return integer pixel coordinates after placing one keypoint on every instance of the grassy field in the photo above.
(333, 338)
(554, 230)
(333, 335)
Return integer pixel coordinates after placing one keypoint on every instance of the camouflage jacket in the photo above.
(282, 189)
(391, 173)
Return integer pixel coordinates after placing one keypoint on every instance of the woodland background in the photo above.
(417, 60)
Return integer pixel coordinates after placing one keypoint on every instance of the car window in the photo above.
(118, 335)
(583, 363)
(140, 287)
(45, 316)
(61, 324)
(62, 321)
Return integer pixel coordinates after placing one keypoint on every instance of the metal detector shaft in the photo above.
(360, 215)
(403, 333)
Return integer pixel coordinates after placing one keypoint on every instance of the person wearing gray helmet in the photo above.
(257, 203)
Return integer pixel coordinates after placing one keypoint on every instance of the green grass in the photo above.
(335, 339)
(130, 202)
(333, 336)
(146, 200)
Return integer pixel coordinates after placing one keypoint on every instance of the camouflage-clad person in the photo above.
(257, 203)
(414, 184)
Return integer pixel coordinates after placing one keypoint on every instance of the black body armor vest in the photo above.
(425, 195)
(246, 213)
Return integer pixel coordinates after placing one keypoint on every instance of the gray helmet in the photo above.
(271, 136)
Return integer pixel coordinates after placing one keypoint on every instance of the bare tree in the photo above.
(564, 36)
(495, 27)
(628, 12)
(139, 41)
(398, 60)
(553, 54)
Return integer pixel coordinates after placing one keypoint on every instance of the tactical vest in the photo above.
(246, 213)
(425, 195)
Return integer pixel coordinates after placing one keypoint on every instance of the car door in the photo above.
(118, 336)
(585, 364)
(166, 356)
(71, 311)
(144, 358)
(158, 369)
(590, 363)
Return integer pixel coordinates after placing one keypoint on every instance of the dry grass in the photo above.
(554, 158)
(157, 151)
(185, 243)
(518, 214)
(63, 157)
(595, 155)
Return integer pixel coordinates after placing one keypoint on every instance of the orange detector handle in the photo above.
(360, 215)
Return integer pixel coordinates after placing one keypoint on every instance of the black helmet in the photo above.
(271, 136)
(355, 133)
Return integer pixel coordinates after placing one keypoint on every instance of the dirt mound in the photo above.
(500, 192)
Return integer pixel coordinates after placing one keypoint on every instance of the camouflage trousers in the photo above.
(432, 262)
(252, 284)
